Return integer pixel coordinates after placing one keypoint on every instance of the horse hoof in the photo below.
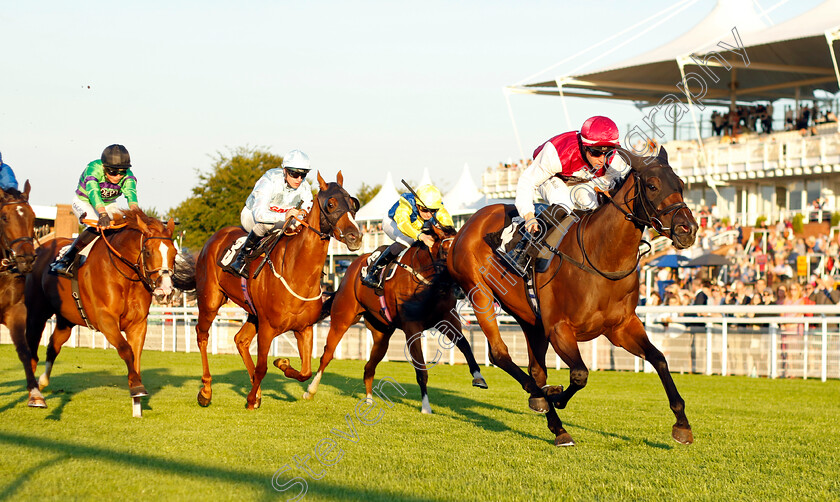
(36, 402)
(480, 383)
(43, 381)
(682, 435)
(282, 364)
(202, 400)
(138, 391)
(564, 439)
(538, 404)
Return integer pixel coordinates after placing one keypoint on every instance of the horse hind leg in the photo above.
(451, 328)
(60, 335)
(421, 370)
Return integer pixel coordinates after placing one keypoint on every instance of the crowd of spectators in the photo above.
(767, 272)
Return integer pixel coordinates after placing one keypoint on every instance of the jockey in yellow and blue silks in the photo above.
(403, 223)
(100, 185)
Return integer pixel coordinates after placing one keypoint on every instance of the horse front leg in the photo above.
(304, 340)
(15, 320)
(242, 340)
(537, 348)
(265, 334)
(136, 337)
(633, 338)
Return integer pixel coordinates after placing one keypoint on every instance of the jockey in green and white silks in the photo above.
(274, 200)
(100, 185)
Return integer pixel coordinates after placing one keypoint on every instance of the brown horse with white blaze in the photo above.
(17, 254)
(285, 295)
(590, 287)
(122, 272)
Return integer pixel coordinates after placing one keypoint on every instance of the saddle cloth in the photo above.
(83, 254)
(228, 256)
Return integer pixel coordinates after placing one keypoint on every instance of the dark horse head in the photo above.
(17, 230)
(338, 209)
(659, 201)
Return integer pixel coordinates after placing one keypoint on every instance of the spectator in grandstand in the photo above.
(825, 293)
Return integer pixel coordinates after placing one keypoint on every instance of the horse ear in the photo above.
(170, 225)
(142, 225)
(662, 155)
(26, 188)
(321, 182)
(636, 162)
(339, 178)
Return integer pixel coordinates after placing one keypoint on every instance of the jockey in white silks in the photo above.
(273, 201)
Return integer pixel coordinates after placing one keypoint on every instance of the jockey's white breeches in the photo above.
(84, 211)
(393, 231)
(581, 196)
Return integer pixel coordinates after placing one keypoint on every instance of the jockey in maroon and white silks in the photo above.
(567, 167)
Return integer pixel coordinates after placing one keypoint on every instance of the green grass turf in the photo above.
(755, 439)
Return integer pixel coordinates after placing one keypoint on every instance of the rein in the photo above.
(143, 274)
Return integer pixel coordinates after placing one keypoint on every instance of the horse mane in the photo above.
(10, 195)
(129, 218)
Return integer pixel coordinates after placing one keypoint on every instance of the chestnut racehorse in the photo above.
(121, 273)
(285, 296)
(590, 287)
(419, 296)
(17, 253)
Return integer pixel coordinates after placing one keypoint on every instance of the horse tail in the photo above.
(326, 306)
(184, 276)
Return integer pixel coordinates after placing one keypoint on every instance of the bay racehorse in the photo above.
(122, 272)
(285, 296)
(589, 288)
(419, 296)
(17, 254)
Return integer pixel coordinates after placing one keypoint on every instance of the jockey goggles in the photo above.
(426, 209)
(295, 173)
(598, 151)
(115, 171)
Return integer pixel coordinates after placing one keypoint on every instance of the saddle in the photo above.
(554, 224)
(264, 246)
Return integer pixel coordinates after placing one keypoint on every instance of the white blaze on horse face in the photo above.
(166, 279)
(353, 221)
(20, 211)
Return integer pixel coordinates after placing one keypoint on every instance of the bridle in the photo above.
(650, 217)
(10, 255)
(144, 275)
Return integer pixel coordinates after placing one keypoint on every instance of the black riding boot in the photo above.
(519, 255)
(64, 265)
(372, 278)
(239, 265)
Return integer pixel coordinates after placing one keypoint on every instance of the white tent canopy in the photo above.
(755, 63)
(379, 205)
(426, 179)
(463, 194)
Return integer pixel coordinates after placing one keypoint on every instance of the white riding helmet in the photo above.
(297, 160)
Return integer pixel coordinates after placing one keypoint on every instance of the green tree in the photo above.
(220, 194)
(367, 192)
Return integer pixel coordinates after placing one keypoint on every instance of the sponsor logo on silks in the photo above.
(109, 193)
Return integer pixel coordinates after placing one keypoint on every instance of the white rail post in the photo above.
(774, 371)
(486, 352)
(724, 350)
(805, 351)
(708, 348)
(214, 334)
(174, 333)
(594, 365)
(824, 355)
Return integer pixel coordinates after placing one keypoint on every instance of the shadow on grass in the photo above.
(65, 450)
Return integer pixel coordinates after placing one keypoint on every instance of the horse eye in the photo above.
(651, 186)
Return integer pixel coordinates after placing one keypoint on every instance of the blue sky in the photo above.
(365, 87)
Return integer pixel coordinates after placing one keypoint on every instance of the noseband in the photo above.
(650, 216)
